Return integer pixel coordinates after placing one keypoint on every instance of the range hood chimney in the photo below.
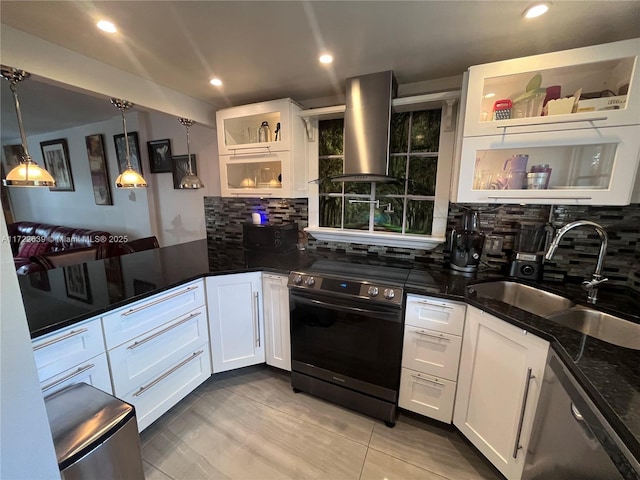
(366, 128)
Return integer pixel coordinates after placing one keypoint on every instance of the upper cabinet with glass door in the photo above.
(582, 88)
(262, 150)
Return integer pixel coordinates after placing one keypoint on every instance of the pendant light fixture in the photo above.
(27, 173)
(189, 181)
(128, 178)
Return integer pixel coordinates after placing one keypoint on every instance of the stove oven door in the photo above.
(352, 343)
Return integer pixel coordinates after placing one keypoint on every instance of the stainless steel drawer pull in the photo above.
(236, 149)
(433, 304)
(156, 302)
(439, 336)
(517, 445)
(167, 373)
(593, 119)
(419, 377)
(538, 197)
(257, 316)
(75, 373)
(72, 333)
(163, 331)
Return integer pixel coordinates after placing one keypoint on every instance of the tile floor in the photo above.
(248, 424)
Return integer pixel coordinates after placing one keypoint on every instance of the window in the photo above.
(403, 207)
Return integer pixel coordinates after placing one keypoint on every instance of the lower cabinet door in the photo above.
(276, 320)
(94, 371)
(159, 394)
(427, 395)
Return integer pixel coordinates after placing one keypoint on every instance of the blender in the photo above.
(529, 246)
(466, 245)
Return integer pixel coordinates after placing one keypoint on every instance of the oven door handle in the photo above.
(391, 316)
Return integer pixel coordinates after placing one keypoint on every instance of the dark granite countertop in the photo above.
(610, 374)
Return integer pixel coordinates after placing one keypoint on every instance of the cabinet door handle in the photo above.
(75, 373)
(261, 194)
(244, 149)
(167, 373)
(156, 302)
(522, 197)
(434, 304)
(576, 120)
(439, 336)
(257, 317)
(517, 445)
(136, 344)
(420, 377)
(72, 333)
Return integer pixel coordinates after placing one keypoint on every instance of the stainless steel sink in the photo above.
(600, 325)
(530, 299)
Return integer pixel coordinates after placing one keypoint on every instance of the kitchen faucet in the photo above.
(590, 286)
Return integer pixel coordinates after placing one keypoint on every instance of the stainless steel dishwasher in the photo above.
(570, 438)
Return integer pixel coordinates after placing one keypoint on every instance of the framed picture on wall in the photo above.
(98, 168)
(180, 167)
(12, 156)
(56, 161)
(76, 279)
(134, 152)
(160, 156)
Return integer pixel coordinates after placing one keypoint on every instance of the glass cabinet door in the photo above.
(250, 129)
(581, 88)
(553, 167)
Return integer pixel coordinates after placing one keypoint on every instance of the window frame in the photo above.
(446, 151)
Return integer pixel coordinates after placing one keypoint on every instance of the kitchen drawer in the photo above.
(141, 359)
(140, 317)
(159, 394)
(432, 352)
(71, 346)
(94, 371)
(435, 314)
(427, 395)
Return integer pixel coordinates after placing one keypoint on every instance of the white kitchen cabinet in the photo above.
(501, 372)
(430, 356)
(253, 168)
(158, 350)
(71, 355)
(236, 328)
(593, 151)
(275, 299)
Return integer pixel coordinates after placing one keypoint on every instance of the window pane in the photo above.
(330, 211)
(356, 215)
(330, 136)
(388, 221)
(425, 131)
(422, 176)
(328, 167)
(399, 141)
(397, 169)
(419, 216)
(357, 187)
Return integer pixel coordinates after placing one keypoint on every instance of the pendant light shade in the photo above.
(27, 173)
(128, 178)
(189, 181)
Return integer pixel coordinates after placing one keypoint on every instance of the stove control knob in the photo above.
(373, 291)
(297, 279)
(310, 281)
(389, 293)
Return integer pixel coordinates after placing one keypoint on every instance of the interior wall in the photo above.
(129, 214)
(25, 437)
(179, 213)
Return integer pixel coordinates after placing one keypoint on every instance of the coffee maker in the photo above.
(529, 246)
(465, 246)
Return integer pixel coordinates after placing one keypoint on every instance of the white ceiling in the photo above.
(269, 49)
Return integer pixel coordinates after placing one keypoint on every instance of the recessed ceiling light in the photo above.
(216, 82)
(536, 10)
(490, 95)
(106, 26)
(326, 58)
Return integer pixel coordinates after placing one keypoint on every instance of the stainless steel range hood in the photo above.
(366, 128)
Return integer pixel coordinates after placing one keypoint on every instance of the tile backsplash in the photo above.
(574, 260)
